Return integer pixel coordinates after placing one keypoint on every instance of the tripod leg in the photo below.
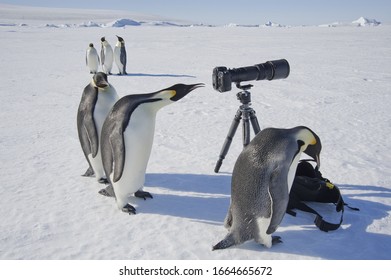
(246, 128)
(228, 140)
(254, 122)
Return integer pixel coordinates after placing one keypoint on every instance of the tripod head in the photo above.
(244, 96)
(243, 87)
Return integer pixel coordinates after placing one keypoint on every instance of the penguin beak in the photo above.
(313, 150)
(102, 84)
(100, 80)
(182, 90)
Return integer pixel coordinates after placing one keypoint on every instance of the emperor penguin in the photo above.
(120, 56)
(106, 56)
(97, 99)
(126, 142)
(261, 180)
(92, 59)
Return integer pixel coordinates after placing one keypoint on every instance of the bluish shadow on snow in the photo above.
(359, 238)
(157, 75)
(203, 198)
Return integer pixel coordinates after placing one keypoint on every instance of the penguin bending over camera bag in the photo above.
(309, 185)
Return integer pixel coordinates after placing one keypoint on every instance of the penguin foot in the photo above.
(89, 173)
(108, 191)
(103, 181)
(129, 209)
(142, 194)
(276, 240)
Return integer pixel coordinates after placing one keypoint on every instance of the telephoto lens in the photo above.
(222, 77)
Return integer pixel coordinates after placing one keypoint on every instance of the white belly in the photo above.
(138, 139)
(108, 63)
(93, 62)
(106, 100)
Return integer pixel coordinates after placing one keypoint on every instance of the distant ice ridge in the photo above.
(123, 22)
(366, 22)
(362, 21)
(272, 24)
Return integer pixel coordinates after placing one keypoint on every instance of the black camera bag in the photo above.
(309, 185)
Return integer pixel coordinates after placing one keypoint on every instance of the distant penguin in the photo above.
(126, 142)
(92, 59)
(261, 180)
(106, 56)
(120, 56)
(98, 98)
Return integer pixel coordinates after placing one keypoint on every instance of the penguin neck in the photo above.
(292, 170)
(293, 167)
(105, 89)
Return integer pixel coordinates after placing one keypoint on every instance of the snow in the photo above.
(340, 86)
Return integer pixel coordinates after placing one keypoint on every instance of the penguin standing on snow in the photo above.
(106, 56)
(120, 56)
(98, 98)
(126, 142)
(92, 59)
(261, 181)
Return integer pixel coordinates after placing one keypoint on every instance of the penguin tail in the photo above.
(228, 241)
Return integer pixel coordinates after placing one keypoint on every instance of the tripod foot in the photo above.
(218, 165)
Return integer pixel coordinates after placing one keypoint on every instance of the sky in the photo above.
(287, 12)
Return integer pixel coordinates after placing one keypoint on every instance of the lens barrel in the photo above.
(270, 70)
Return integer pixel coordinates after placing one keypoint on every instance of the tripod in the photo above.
(245, 113)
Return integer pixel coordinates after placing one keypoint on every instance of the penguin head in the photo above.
(179, 91)
(100, 80)
(172, 94)
(102, 39)
(91, 45)
(120, 39)
(310, 143)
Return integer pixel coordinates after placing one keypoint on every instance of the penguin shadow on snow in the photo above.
(356, 239)
(206, 198)
(156, 75)
(203, 198)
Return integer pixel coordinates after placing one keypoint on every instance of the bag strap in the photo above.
(319, 221)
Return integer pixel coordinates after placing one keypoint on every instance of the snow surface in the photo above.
(340, 86)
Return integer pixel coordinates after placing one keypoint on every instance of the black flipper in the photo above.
(123, 59)
(118, 150)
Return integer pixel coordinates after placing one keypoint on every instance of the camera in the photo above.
(270, 70)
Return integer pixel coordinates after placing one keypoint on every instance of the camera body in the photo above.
(222, 77)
